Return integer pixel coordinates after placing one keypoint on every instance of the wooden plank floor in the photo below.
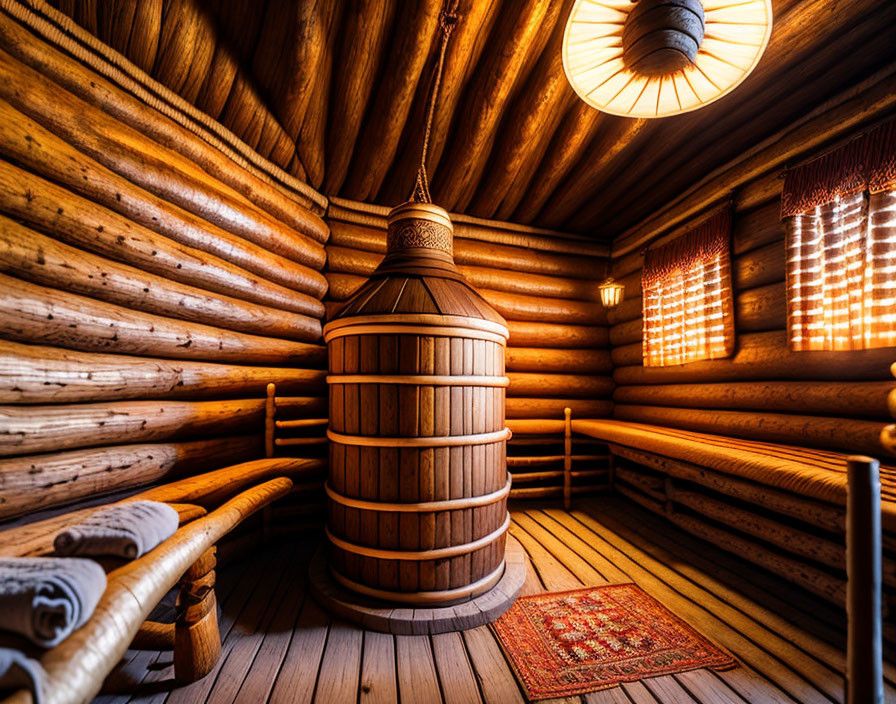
(280, 647)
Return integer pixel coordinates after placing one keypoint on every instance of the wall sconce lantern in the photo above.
(611, 293)
(654, 58)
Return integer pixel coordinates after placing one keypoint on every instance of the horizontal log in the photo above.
(553, 407)
(555, 476)
(793, 540)
(346, 276)
(757, 227)
(536, 309)
(818, 581)
(342, 286)
(32, 256)
(39, 374)
(147, 164)
(343, 211)
(547, 492)
(649, 484)
(559, 385)
(629, 309)
(541, 359)
(764, 356)
(759, 267)
(531, 284)
(865, 399)
(32, 429)
(553, 335)
(352, 261)
(816, 513)
(41, 481)
(77, 221)
(627, 355)
(93, 88)
(211, 488)
(626, 333)
(353, 242)
(35, 314)
(627, 264)
(27, 143)
(761, 309)
(632, 284)
(535, 427)
(846, 434)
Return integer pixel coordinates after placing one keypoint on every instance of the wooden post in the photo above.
(567, 457)
(197, 641)
(864, 655)
(270, 408)
(270, 425)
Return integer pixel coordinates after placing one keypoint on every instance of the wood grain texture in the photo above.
(495, 76)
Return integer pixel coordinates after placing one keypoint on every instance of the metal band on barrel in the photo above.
(427, 441)
(419, 555)
(419, 380)
(480, 586)
(424, 506)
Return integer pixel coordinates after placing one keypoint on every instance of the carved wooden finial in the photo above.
(419, 225)
(661, 37)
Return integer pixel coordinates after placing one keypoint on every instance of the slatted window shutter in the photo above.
(686, 288)
(840, 217)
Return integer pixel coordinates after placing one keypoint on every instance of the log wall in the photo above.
(152, 288)
(831, 400)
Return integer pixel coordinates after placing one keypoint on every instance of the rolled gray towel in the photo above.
(124, 530)
(46, 598)
(18, 671)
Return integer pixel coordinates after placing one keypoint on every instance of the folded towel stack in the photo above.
(123, 530)
(46, 598)
(18, 671)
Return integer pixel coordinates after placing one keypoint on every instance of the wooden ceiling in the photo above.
(333, 91)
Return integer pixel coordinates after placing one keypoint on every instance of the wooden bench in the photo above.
(782, 507)
(210, 505)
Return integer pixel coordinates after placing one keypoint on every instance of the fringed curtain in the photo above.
(840, 216)
(686, 288)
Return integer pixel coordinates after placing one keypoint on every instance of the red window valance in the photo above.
(867, 163)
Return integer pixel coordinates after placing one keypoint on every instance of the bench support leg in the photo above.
(197, 642)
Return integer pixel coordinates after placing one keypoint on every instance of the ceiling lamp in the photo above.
(654, 58)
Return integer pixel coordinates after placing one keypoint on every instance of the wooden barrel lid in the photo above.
(418, 276)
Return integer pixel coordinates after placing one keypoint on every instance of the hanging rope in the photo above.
(448, 19)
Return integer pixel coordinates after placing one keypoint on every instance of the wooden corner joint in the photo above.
(197, 641)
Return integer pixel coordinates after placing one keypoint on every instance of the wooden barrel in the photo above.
(418, 482)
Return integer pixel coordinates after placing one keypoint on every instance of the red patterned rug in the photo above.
(580, 641)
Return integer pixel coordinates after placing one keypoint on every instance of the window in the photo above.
(686, 288)
(840, 216)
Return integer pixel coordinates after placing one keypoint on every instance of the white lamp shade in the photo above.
(736, 33)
